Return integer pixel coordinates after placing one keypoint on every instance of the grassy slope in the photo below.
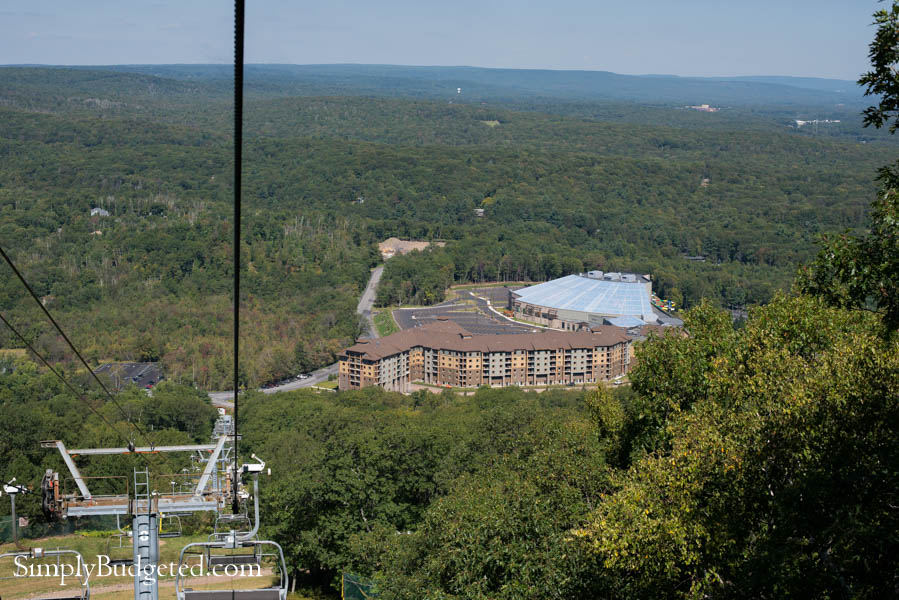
(111, 588)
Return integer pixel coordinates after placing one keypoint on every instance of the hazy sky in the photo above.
(824, 38)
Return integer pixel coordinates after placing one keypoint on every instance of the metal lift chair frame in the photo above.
(278, 592)
(173, 531)
(120, 561)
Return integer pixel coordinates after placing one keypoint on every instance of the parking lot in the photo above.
(121, 375)
(472, 315)
(498, 296)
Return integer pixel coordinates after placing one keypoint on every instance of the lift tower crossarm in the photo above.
(73, 468)
(140, 450)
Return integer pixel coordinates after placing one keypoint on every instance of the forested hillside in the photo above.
(575, 186)
(743, 464)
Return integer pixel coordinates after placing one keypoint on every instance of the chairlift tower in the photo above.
(146, 505)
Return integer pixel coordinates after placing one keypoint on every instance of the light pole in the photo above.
(12, 490)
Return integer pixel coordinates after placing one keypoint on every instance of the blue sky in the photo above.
(821, 38)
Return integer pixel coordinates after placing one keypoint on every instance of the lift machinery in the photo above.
(146, 506)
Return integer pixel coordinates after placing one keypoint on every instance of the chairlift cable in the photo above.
(74, 349)
(238, 161)
(78, 394)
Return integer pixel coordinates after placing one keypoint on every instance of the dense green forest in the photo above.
(565, 185)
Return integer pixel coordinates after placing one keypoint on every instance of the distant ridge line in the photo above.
(484, 84)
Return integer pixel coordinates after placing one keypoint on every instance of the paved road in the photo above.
(123, 374)
(366, 302)
(407, 318)
(222, 399)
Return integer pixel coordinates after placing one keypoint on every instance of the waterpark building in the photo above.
(579, 302)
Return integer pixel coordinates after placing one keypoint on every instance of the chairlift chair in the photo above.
(84, 593)
(124, 556)
(225, 523)
(238, 543)
(121, 558)
(229, 527)
(255, 557)
(231, 558)
(170, 526)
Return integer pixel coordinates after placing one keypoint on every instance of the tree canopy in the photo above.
(863, 271)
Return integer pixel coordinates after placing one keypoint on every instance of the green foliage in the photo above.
(673, 373)
(746, 463)
(607, 412)
(174, 407)
(501, 532)
(776, 481)
(413, 279)
(863, 272)
(882, 80)
(150, 282)
(356, 468)
(342, 469)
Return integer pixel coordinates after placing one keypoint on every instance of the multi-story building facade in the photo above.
(443, 353)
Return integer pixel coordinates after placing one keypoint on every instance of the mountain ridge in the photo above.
(489, 84)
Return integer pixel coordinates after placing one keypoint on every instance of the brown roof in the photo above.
(443, 325)
(447, 335)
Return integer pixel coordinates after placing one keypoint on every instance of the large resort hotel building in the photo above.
(443, 353)
(579, 302)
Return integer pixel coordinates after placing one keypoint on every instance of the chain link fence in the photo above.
(356, 587)
(34, 530)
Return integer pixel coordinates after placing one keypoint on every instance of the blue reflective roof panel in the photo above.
(626, 321)
(596, 296)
